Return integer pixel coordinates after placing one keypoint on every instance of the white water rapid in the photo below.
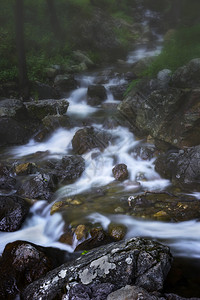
(43, 229)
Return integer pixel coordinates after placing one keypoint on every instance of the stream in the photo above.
(44, 229)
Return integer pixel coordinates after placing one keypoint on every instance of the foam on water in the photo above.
(182, 237)
(40, 228)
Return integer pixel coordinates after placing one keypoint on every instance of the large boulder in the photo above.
(23, 263)
(44, 91)
(65, 83)
(181, 167)
(7, 180)
(39, 187)
(68, 169)
(96, 94)
(170, 115)
(187, 76)
(12, 108)
(137, 261)
(13, 211)
(89, 138)
(42, 108)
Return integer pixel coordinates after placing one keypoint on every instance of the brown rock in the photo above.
(120, 172)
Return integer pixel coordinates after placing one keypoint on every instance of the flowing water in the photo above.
(45, 229)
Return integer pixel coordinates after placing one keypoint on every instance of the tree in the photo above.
(22, 68)
(55, 24)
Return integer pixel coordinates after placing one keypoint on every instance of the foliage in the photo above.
(183, 46)
(131, 86)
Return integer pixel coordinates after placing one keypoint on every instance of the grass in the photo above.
(182, 47)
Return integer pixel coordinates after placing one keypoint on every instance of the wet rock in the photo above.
(42, 91)
(13, 211)
(131, 293)
(25, 169)
(160, 112)
(41, 108)
(164, 207)
(89, 138)
(13, 132)
(38, 187)
(181, 167)
(52, 122)
(117, 231)
(118, 91)
(68, 169)
(92, 291)
(12, 108)
(98, 238)
(67, 237)
(7, 180)
(120, 172)
(65, 83)
(80, 232)
(115, 264)
(187, 76)
(23, 263)
(96, 94)
(145, 152)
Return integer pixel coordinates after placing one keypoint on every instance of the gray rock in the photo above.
(96, 94)
(13, 212)
(164, 77)
(116, 263)
(12, 108)
(131, 293)
(182, 167)
(89, 138)
(187, 76)
(65, 83)
(42, 108)
(44, 91)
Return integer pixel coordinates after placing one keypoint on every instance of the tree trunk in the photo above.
(55, 24)
(22, 68)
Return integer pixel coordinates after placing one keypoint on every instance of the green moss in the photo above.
(131, 86)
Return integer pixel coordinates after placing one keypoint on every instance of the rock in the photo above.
(137, 261)
(12, 108)
(42, 108)
(7, 180)
(38, 187)
(13, 132)
(23, 262)
(159, 115)
(120, 172)
(82, 58)
(131, 293)
(65, 83)
(164, 77)
(52, 122)
(181, 167)
(68, 169)
(42, 91)
(13, 212)
(118, 91)
(145, 152)
(25, 169)
(67, 237)
(96, 94)
(187, 76)
(80, 232)
(89, 138)
(164, 206)
(98, 238)
(92, 291)
(117, 231)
